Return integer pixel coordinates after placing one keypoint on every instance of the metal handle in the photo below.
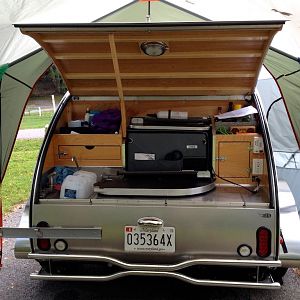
(74, 159)
(150, 221)
(62, 153)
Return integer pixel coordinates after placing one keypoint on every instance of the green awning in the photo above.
(286, 71)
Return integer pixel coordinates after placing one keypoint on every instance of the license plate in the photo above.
(149, 240)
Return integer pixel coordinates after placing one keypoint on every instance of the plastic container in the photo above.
(78, 186)
(90, 175)
(179, 115)
(74, 123)
(165, 114)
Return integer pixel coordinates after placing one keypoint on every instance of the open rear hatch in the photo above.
(208, 58)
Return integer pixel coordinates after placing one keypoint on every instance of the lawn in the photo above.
(16, 185)
(35, 121)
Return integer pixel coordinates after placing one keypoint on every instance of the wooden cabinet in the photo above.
(233, 157)
(89, 149)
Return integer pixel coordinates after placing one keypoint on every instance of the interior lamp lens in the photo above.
(154, 48)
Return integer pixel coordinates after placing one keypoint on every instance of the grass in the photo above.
(16, 185)
(35, 121)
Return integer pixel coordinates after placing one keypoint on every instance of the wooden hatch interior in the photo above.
(207, 58)
(194, 62)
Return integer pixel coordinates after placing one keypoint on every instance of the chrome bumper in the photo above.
(165, 270)
(220, 283)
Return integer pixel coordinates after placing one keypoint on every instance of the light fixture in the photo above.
(244, 250)
(60, 245)
(154, 48)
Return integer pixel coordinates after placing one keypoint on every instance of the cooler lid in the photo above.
(206, 58)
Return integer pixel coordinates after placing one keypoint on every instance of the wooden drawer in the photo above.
(89, 149)
(89, 152)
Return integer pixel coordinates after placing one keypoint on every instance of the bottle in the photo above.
(87, 117)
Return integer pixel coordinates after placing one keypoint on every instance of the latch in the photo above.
(221, 158)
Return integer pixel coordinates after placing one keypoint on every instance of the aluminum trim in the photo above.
(155, 192)
(153, 267)
(150, 26)
(180, 128)
(54, 232)
(223, 283)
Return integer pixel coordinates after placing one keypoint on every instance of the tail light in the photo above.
(43, 244)
(263, 242)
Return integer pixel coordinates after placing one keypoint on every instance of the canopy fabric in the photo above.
(286, 71)
(15, 45)
(281, 130)
(17, 83)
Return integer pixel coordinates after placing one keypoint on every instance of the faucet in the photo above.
(51, 180)
(74, 159)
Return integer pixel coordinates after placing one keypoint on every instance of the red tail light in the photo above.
(43, 244)
(263, 242)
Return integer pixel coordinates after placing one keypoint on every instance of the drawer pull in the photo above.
(62, 154)
(89, 147)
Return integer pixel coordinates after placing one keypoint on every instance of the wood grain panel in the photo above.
(89, 152)
(199, 48)
(88, 139)
(236, 163)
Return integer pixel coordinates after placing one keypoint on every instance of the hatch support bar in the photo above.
(118, 80)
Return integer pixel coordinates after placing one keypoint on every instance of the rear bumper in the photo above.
(266, 284)
(160, 267)
(191, 271)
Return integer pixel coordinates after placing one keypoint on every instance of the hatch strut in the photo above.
(118, 80)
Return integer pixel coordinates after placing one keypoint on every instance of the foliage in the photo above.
(16, 185)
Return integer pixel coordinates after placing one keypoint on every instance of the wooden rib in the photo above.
(164, 37)
(156, 88)
(162, 92)
(49, 51)
(199, 54)
(267, 44)
(118, 80)
(161, 75)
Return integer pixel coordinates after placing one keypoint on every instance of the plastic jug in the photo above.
(80, 185)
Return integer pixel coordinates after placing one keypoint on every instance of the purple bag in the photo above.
(107, 121)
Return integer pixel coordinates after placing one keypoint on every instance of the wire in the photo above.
(268, 111)
(254, 191)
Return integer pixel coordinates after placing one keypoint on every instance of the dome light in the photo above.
(154, 48)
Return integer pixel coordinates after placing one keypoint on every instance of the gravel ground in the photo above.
(16, 284)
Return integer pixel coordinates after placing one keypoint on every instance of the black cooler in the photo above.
(164, 158)
(168, 148)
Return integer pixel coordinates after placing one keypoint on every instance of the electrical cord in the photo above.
(254, 191)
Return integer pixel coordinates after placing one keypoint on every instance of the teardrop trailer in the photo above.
(159, 179)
